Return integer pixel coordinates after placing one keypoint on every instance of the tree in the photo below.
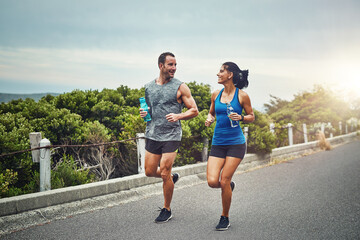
(201, 94)
(79, 102)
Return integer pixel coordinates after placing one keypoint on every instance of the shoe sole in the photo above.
(233, 187)
(163, 221)
(223, 229)
(177, 178)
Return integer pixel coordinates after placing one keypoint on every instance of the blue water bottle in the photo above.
(144, 106)
(229, 110)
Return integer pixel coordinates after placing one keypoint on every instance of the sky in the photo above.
(288, 46)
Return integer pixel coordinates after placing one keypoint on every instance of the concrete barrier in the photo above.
(27, 202)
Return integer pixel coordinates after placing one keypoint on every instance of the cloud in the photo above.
(74, 67)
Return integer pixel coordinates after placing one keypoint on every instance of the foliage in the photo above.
(14, 136)
(67, 173)
(310, 108)
(131, 95)
(7, 178)
(201, 94)
(260, 139)
(87, 117)
(192, 143)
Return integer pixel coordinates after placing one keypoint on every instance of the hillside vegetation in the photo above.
(85, 117)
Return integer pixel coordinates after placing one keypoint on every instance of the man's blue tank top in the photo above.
(224, 134)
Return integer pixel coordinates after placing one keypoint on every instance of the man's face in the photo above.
(168, 69)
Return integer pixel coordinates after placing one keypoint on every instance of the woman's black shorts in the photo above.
(222, 151)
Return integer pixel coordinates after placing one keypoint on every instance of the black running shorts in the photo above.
(157, 147)
(222, 151)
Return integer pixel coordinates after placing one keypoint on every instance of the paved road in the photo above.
(314, 197)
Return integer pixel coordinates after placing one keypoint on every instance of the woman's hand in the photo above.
(209, 121)
(235, 117)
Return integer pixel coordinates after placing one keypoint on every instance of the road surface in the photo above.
(313, 197)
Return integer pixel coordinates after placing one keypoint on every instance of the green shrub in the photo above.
(67, 173)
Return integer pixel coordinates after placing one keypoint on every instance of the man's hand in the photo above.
(143, 113)
(172, 117)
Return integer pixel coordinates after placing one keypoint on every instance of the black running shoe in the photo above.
(232, 185)
(164, 216)
(224, 224)
(175, 177)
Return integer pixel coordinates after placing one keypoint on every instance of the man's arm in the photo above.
(184, 94)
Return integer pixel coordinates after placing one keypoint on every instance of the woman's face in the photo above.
(224, 75)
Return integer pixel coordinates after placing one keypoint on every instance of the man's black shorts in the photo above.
(157, 147)
(221, 151)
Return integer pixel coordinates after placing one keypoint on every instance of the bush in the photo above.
(7, 179)
(260, 139)
(67, 173)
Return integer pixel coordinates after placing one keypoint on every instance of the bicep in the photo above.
(186, 97)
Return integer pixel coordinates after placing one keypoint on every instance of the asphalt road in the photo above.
(313, 197)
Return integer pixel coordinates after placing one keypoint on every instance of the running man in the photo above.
(165, 97)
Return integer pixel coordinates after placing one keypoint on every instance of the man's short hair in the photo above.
(162, 57)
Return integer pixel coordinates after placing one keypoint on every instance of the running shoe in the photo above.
(232, 185)
(164, 216)
(224, 224)
(175, 177)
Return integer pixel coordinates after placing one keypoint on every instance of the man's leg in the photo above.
(152, 164)
(166, 163)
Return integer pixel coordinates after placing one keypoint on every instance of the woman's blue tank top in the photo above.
(224, 134)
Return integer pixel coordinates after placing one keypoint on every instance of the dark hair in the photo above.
(162, 57)
(240, 78)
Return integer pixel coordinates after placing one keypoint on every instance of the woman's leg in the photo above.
(214, 166)
(230, 166)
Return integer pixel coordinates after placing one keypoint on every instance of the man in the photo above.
(165, 97)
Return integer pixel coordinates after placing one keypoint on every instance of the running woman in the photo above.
(228, 143)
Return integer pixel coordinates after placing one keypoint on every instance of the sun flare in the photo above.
(348, 77)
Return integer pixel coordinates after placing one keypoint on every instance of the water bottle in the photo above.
(229, 110)
(145, 107)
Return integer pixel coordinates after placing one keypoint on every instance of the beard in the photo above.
(168, 75)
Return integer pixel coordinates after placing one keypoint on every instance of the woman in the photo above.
(228, 144)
